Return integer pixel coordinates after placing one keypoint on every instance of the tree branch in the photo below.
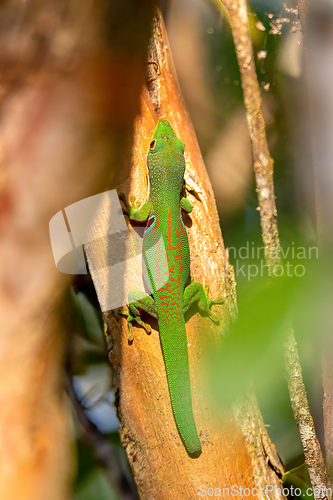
(299, 402)
(263, 170)
(262, 161)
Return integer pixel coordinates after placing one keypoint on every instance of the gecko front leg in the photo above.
(139, 301)
(139, 214)
(196, 293)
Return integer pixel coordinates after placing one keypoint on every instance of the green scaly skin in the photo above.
(166, 258)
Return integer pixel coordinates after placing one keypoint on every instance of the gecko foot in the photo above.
(131, 319)
(211, 302)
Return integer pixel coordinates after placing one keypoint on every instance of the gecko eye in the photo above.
(152, 144)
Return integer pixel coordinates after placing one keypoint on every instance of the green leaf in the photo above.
(252, 348)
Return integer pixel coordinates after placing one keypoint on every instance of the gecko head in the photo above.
(164, 138)
(166, 151)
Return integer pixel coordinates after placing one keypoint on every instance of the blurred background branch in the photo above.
(68, 104)
(263, 169)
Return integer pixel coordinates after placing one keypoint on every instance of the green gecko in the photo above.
(166, 268)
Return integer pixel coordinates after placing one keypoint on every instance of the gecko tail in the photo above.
(174, 347)
(184, 418)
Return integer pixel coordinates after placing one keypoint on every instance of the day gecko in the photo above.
(166, 258)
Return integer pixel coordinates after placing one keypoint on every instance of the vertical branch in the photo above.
(263, 170)
(262, 161)
(299, 402)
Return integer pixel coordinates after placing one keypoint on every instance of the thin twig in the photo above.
(300, 406)
(263, 170)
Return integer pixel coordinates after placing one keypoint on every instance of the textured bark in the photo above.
(161, 466)
(299, 402)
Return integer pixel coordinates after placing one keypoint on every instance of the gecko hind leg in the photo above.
(196, 293)
(138, 301)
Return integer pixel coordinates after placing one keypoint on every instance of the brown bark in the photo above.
(161, 466)
(299, 402)
(59, 136)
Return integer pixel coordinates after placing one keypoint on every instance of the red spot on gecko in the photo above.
(169, 247)
(178, 233)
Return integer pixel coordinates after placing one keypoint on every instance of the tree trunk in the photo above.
(234, 454)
